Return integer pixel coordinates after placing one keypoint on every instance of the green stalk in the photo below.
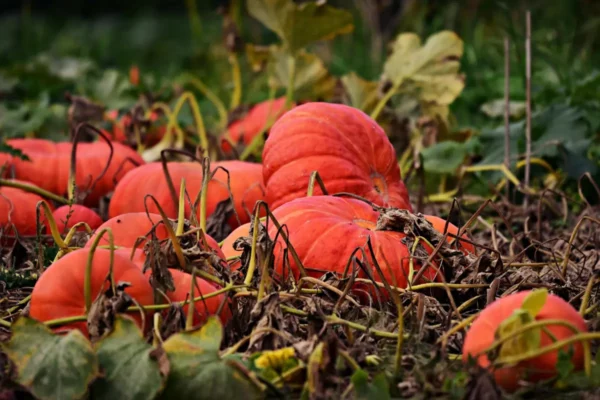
(289, 96)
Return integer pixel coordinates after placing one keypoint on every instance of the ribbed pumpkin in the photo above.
(245, 178)
(59, 293)
(49, 165)
(325, 230)
(482, 333)
(348, 149)
(244, 130)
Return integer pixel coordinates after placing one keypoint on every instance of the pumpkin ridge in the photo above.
(344, 139)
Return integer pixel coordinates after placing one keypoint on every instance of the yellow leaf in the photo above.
(534, 302)
(429, 71)
(362, 93)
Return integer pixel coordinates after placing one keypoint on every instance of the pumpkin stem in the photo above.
(165, 167)
(206, 177)
(258, 139)
(87, 282)
(181, 209)
(189, 319)
(236, 97)
(156, 337)
(289, 94)
(314, 176)
(170, 232)
(200, 129)
(211, 96)
(51, 223)
(33, 189)
(73, 166)
(252, 265)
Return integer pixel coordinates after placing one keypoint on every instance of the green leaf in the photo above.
(48, 365)
(198, 372)
(312, 80)
(535, 301)
(362, 93)
(429, 71)
(113, 90)
(300, 25)
(365, 390)
(130, 371)
(444, 157)
(8, 149)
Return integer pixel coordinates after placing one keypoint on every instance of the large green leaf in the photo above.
(113, 90)
(559, 131)
(430, 71)
(130, 371)
(300, 25)
(365, 390)
(312, 81)
(48, 365)
(197, 370)
(444, 157)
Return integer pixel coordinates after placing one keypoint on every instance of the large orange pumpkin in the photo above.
(325, 231)
(348, 149)
(49, 165)
(482, 332)
(244, 130)
(245, 178)
(59, 293)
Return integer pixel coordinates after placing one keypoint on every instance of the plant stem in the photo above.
(289, 96)
(528, 103)
(383, 101)
(236, 97)
(33, 189)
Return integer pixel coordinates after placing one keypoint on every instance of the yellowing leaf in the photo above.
(312, 80)
(300, 25)
(534, 302)
(48, 365)
(198, 372)
(430, 71)
(362, 93)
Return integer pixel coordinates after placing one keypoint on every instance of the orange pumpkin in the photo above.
(227, 245)
(149, 179)
(348, 149)
(17, 212)
(59, 293)
(482, 333)
(204, 308)
(68, 216)
(244, 130)
(50, 162)
(325, 231)
(130, 227)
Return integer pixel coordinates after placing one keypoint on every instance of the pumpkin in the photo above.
(482, 333)
(127, 228)
(121, 126)
(204, 308)
(17, 211)
(50, 162)
(245, 178)
(244, 130)
(68, 216)
(325, 231)
(227, 244)
(439, 224)
(348, 149)
(59, 292)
